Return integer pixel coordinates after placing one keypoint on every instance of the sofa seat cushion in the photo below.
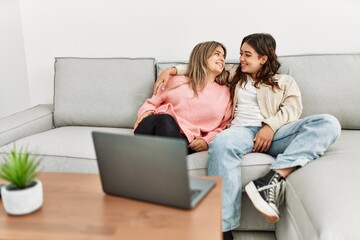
(65, 149)
(322, 198)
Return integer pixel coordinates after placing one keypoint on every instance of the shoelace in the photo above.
(276, 191)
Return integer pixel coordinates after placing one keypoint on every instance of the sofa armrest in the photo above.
(25, 123)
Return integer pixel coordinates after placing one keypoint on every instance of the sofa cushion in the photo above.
(161, 66)
(326, 84)
(102, 92)
(322, 198)
(64, 149)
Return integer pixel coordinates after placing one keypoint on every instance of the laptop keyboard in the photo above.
(194, 193)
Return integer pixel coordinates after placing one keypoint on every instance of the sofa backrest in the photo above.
(329, 83)
(103, 92)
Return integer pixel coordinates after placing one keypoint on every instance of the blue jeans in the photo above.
(294, 144)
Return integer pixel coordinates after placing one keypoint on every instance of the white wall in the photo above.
(168, 29)
(14, 88)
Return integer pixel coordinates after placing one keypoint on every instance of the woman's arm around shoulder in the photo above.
(163, 78)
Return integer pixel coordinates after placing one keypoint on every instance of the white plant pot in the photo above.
(19, 202)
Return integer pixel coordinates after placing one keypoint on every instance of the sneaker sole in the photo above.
(260, 204)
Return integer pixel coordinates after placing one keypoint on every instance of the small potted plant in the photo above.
(24, 193)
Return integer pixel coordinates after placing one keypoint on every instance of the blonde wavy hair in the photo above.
(197, 68)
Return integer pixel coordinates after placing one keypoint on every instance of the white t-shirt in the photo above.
(247, 111)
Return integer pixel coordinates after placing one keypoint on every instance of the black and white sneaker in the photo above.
(267, 194)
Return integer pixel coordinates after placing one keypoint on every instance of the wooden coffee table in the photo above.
(75, 207)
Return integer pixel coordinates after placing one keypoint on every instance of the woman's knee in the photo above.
(166, 119)
(327, 124)
(332, 124)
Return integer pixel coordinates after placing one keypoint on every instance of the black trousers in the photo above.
(161, 125)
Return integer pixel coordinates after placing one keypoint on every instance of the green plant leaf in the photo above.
(19, 168)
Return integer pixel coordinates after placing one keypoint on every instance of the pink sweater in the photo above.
(198, 117)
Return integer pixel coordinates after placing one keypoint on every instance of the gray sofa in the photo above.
(105, 94)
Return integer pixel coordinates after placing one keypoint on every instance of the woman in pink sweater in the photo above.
(194, 107)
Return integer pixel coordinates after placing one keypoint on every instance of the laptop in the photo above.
(148, 168)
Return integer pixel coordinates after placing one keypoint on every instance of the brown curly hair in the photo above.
(264, 45)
